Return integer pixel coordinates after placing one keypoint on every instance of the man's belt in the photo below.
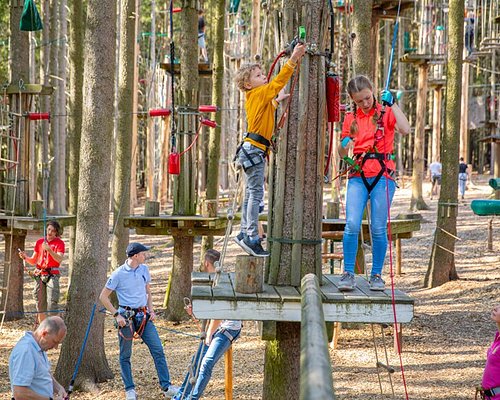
(49, 270)
(257, 138)
(374, 156)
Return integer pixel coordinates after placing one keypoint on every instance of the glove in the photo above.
(387, 98)
(345, 142)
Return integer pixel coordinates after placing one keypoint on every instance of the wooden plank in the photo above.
(201, 278)
(330, 291)
(201, 292)
(353, 295)
(290, 311)
(178, 232)
(269, 294)
(364, 286)
(288, 293)
(223, 290)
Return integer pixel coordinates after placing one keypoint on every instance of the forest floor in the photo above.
(444, 347)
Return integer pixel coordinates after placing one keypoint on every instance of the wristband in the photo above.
(116, 314)
(345, 141)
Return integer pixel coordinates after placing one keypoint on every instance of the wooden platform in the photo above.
(414, 58)
(30, 88)
(32, 224)
(282, 303)
(177, 225)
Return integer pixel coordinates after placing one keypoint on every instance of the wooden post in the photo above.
(398, 338)
(249, 276)
(228, 372)
(398, 256)
(209, 208)
(37, 209)
(490, 234)
(152, 208)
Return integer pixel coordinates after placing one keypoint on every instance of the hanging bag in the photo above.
(30, 19)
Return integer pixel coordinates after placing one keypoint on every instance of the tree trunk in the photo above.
(282, 363)
(91, 249)
(362, 45)
(417, 200)
(19, 45)
(123, 145)
(52, 201)
(184, 183)
(442, 261)
(61, 108)
(13, 276)
(436, 123)
(297, 183)
(77, 31)
(217, 99)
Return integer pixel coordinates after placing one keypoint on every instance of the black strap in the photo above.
(258, 138)
(381, 157)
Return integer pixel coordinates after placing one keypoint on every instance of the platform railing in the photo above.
(316, 380)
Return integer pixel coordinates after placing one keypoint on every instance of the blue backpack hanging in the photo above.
(30, 19)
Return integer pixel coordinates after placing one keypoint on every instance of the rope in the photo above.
(82, 349)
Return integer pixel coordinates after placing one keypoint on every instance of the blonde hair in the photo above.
(243, 75)
(356, 85)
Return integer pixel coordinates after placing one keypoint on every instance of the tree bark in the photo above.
(297, 176)
(217, 99)
(442, 261)
(123, 145)
(77, 31)
(19, 46)
(417, 200)
(184, 183)
(91, 249)
(362, 45)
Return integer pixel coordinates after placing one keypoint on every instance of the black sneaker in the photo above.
(253, 248)
(239, 239)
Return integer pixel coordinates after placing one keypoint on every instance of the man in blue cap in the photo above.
(134, 317)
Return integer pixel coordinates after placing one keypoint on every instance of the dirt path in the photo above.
(444, 346)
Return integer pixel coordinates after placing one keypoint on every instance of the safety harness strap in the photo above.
(257, 138)
(381, 157)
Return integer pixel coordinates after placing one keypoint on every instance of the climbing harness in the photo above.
(131, 315)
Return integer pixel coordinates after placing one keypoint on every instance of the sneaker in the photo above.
(347, 282)
(130, 395)
(239, 238)
(377, 283)
(172, 391)
(254, 248)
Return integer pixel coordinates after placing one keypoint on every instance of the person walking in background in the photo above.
(435, 172)
(134, 316)
(29, 367)
(490, 385)
(369, 133)
(462, 177)
(201, 36)
(47, 257)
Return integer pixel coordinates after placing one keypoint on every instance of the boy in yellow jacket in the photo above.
(260, 106)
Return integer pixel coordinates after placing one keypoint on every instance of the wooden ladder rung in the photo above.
(332, 235)
(332, 256)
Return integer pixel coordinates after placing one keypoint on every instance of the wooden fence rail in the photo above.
(316, 380)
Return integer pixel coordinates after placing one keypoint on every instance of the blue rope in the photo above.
(393, 46)
(80, 356)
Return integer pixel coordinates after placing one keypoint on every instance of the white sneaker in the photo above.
(130, 395)
(172, 391)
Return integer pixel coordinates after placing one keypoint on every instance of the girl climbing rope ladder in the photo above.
(369, 132)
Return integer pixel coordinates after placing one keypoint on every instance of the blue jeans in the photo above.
(254, 189)
(152, 340)
(211, 354)
(187, 387)
(357, 197)
(462, 181)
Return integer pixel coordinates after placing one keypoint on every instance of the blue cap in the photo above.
(136, 248)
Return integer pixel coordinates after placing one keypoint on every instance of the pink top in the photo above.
(491, 375)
